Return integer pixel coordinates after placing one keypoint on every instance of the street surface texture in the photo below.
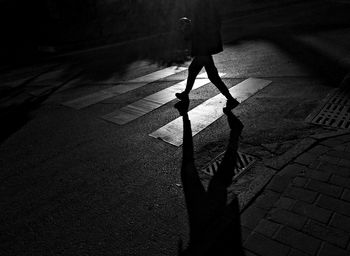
(304, 209)
(73, 183)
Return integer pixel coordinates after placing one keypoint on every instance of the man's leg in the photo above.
(193, 70)
(214, 77)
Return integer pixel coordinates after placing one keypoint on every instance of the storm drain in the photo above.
(335, 112)
(244, 162)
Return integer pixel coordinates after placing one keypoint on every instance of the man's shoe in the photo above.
(182, 96)
(182, 106)
(231, 104)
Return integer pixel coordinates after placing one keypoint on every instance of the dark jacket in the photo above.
(206, 26)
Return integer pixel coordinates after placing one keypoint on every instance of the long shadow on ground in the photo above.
(214, 225)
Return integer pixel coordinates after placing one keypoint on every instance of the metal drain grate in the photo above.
(244, 162)
(335, 112)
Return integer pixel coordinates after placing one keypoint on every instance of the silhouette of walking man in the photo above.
(214, 224)
(206, 41)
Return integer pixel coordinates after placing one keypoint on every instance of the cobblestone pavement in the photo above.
(305, 208)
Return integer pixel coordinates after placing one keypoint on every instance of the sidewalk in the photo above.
(305, 208)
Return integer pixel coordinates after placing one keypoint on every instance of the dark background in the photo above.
(54, 26)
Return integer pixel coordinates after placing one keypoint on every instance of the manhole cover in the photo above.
(335, 112)
(244, 161)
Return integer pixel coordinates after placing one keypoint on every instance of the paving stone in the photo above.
(249, 253)
(251, 217)
(340, 181)
(285, 203)
(264, 246)
(278, 162)
(341, 222)
(287, 218)
(340, 148)
(301, 194)
(332, 142)
(329, 234)
(295, 252)
(245, 232)
(335, 169)
(319, 150)
(272, 147)
(345, 138)
(312, 211)
(346, 195)
(267, 199)
(345, 163)
(331, 250)
(320, 175)
(327, 135)
(292, 170)
(278, 183)
(315, 165)
(333, 204)
(339, 154)
(330, 159)
(267, 228)
(325, 188)
(298, 240)
(306, 158)
(299, 181)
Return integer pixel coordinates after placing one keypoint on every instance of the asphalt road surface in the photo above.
(73, 183)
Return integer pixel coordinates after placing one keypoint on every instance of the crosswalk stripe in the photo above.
(151, 102)
(50, 78)
(158, 74)
(52, 81)
(126, 86)
(209, 111)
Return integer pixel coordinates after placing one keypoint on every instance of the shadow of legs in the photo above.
(214, 225)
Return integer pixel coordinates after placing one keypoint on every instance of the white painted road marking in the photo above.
(158, 75)
(150, 103)
(209, 111)
(126, 86)
(51, 78)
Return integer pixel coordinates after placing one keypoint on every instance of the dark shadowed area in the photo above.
(214, 219)
(76, 180)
